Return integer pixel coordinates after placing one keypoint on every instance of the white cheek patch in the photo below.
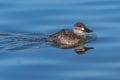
(78, 31)
(82, 29)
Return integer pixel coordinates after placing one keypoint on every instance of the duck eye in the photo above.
(75, 28)
(79, 28)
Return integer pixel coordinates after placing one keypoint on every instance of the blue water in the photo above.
(50, 63)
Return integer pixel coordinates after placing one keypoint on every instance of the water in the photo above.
(50, 63)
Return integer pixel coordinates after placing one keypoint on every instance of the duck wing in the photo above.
(61, 35)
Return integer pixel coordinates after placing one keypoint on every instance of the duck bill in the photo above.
(88, 30)
(88, 48)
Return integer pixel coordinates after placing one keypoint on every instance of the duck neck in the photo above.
(81, 35)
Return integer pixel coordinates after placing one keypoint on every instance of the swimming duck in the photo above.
(70, 37)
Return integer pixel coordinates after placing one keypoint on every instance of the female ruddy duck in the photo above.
(70, 37)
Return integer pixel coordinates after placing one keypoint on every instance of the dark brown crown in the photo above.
(79, 24)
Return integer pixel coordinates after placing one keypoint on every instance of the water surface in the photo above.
(34, 16)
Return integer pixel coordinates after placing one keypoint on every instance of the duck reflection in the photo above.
(79, 49)
(82, 49)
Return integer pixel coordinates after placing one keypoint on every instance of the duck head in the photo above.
(80, 28)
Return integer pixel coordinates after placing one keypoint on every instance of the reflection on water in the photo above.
(79, 49)
(27, 41)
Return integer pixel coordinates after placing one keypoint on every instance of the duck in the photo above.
(70, 37)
